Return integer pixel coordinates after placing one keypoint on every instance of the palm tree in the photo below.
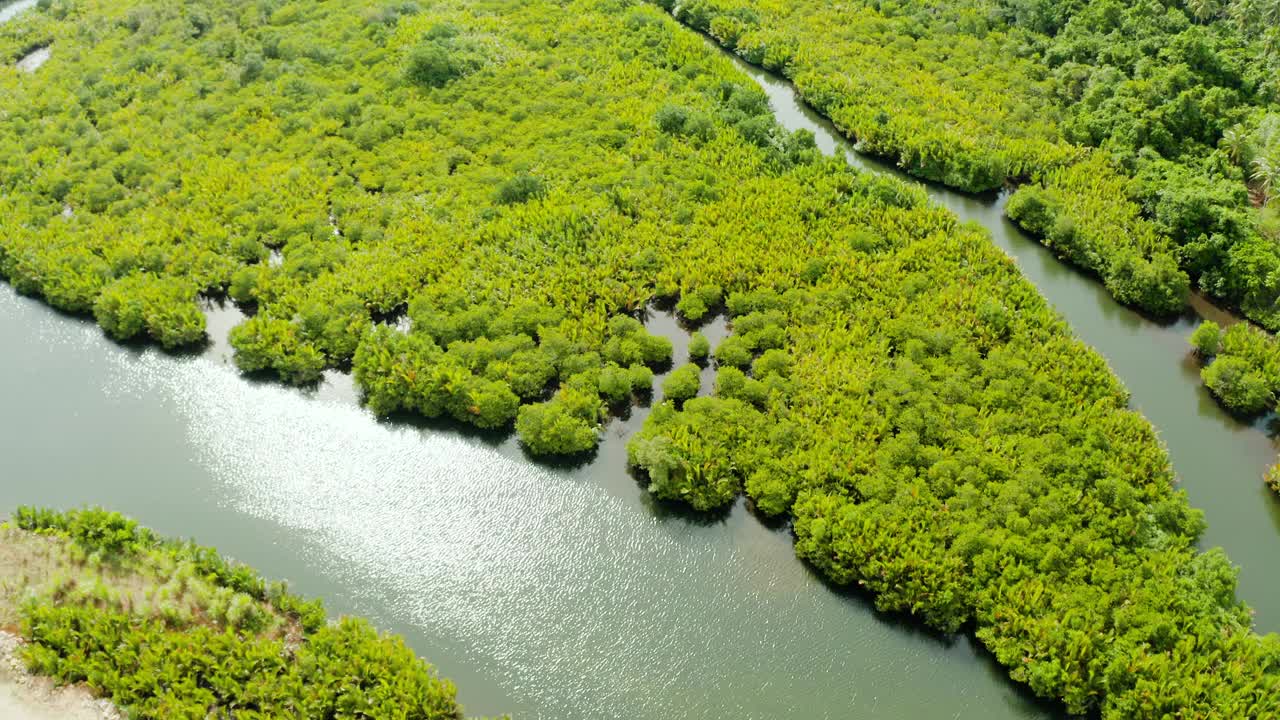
(1204, 10)
(1270, 14)
(1253, 16)
(1266, 174)
(1235, 141)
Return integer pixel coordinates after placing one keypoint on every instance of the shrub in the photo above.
(733, 383)
(487, 404)
(772, 362)
(629, 343)
(164, 308)
(262, 343)
(692, 307)
(519, 189)
(682, 384)
(670, 119)
(1155, 284)
(1240, 387)
(695, 454)
(734, 351)
(1030, 208)
(615, 383)
(699, 348)
(641, 378)
(564, 425)
(769, 486)
(440, 59)
(1206, 338)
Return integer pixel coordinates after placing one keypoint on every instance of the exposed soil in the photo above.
(48, 568)
(27, 562)
(26, 697)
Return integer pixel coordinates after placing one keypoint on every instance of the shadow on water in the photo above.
(493, 438)
(672, 511)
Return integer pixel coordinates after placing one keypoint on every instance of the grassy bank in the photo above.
(170, 630)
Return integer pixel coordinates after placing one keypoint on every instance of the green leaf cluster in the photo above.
(682, 384)
(1244, 374)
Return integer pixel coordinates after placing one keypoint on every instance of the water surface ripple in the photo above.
(545, 592)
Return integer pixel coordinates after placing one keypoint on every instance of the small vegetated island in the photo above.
(170, 630)
(1241, 369)
(524, 178)
(1144, 135)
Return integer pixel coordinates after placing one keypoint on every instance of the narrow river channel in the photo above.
(548, 592)
(1219, 460)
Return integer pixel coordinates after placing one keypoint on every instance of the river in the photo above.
(8, 11)
(551, 592)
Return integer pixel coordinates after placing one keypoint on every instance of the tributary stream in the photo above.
(556, 592)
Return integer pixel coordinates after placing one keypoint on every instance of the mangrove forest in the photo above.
(474, 206)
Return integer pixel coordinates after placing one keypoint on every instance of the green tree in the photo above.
(1206, 338)
(734, 351)
(437, 62)
(699, 348)
(163, 308)
(1264, 171)
(615, 383)
(683, 383)
(564, 425)
(1238, 385)
(262, 343)
(518, 189)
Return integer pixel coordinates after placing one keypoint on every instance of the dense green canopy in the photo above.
(522, 179)
(1244, 368)
(1150, 130)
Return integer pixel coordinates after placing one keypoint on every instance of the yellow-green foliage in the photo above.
(956, 107)
(171, 630)
(1081, 213)
(1244, 374)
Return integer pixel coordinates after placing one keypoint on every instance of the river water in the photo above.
(8, 11)
(34, 59)
(551, 592)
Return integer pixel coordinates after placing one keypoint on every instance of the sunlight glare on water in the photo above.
(545, 592)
